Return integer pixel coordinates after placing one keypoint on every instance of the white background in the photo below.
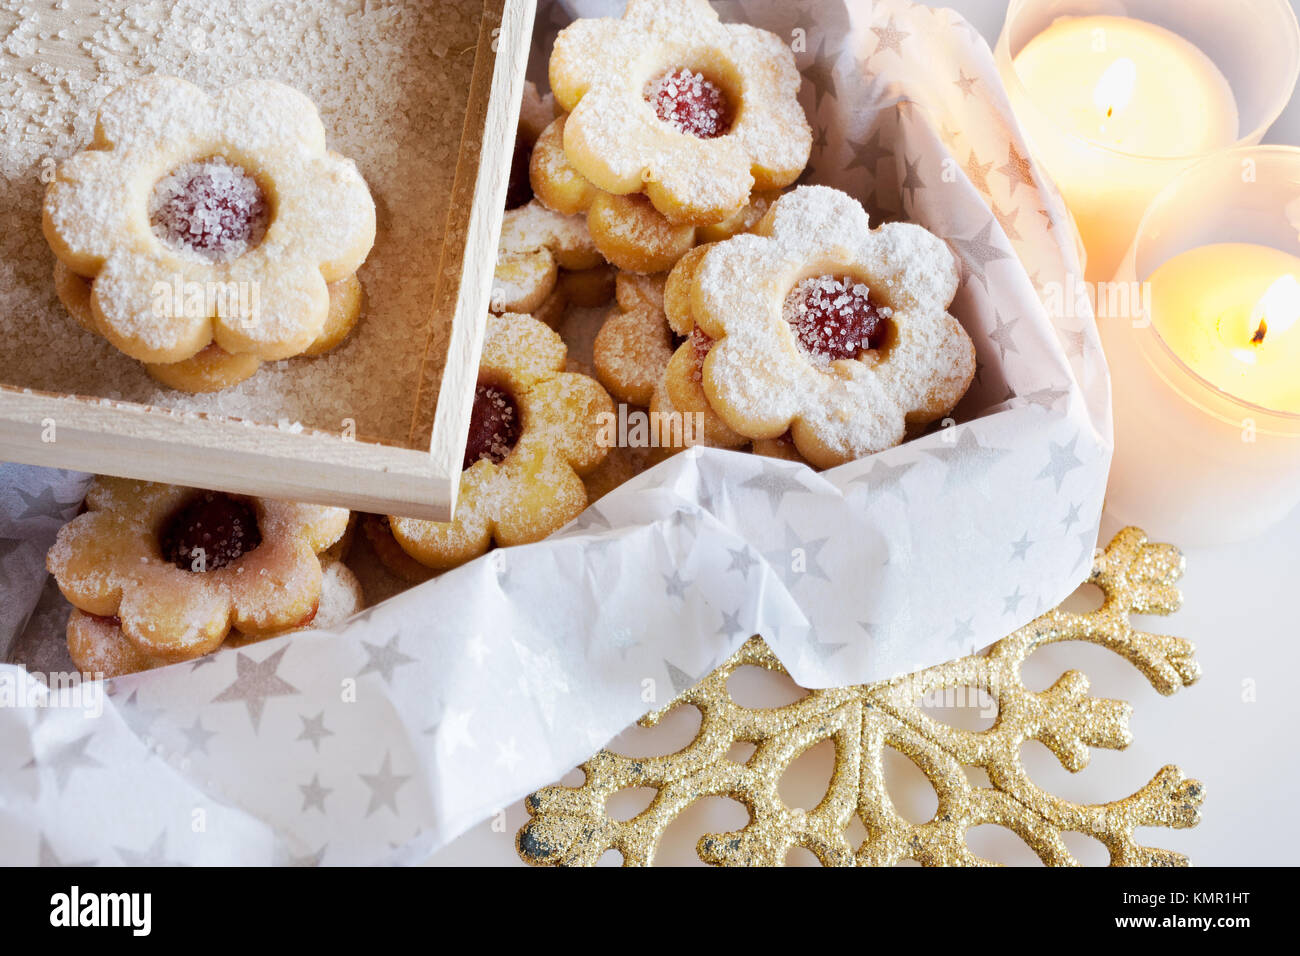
(1234, 730)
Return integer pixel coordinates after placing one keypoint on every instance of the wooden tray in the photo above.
(412, 465)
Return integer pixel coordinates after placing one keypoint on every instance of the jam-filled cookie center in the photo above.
(209, 532)
(690, 103)
(212, 208)
(834, 317)
(494, 426)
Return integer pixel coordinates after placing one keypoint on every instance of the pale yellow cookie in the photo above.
(534, 433)
(634, 344)
(97, 645)
(213, 368)
(180, 568)
(671, 102)
(210, 371)
(536, 242)
(232, 199)
(822, 327)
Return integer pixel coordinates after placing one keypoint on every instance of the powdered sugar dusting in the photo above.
(391, 80)
(833, 317)
(211, 208)
(690, 103)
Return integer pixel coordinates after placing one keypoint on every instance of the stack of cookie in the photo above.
(158, 574)
(204, 235)
(674, 137)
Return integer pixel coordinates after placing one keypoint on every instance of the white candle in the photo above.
(1114, 108)
(1206, 385)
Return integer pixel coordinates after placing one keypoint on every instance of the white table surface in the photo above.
(1234, 730)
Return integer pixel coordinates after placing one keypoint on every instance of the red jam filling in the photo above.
(702, 343)
(690, 103)
(833, 317)
(211, 207)
(209, 532)
(494, 426)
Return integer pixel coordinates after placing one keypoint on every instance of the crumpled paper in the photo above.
(426, 714)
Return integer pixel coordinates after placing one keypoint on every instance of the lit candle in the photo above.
(1100, 98)
(1229, 311)
(1206, 380)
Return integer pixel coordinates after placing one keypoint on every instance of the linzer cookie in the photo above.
(627, 230)
(213, 368)
(534, 433)
(817, 325)
(670, 102)
(634, 343)
(180, 569)
(536, 242)
(98, 645)
(234, 199)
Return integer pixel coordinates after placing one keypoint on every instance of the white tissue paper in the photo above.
(427, 713)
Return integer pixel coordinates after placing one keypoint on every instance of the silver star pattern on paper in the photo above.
(821, 74)
(314, 794)
(453, 731)
(384, 785)
(383, 659)
(731, 625)
(776, 483)
(65, 760)
(680, 680)
(1018, 170)
(1020, 548)
(742, 559)
(885, 479)
(911, 179)
(255, 683)
(868, 154)
(968, 461)
(314, 730)
(797, 550)
(890, 37)
(675, 585)
(197, 737)
(1002, 335)
(1062, 461)
(1045, 398)
(978, 173)
(978, 252)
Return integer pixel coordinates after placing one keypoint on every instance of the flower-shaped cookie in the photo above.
(823, 327)
(213, 368)
(671, 102)
(180, 568)
(536, 242)
(535, 431)
(97, 645)
(634, 343)
(627, 230)
(234, 195)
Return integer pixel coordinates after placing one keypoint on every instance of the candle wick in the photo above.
(1258, 337)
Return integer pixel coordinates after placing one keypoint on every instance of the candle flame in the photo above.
(1277, 309)
(1115, 88)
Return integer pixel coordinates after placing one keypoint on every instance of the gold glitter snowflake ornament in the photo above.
(570, 825)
